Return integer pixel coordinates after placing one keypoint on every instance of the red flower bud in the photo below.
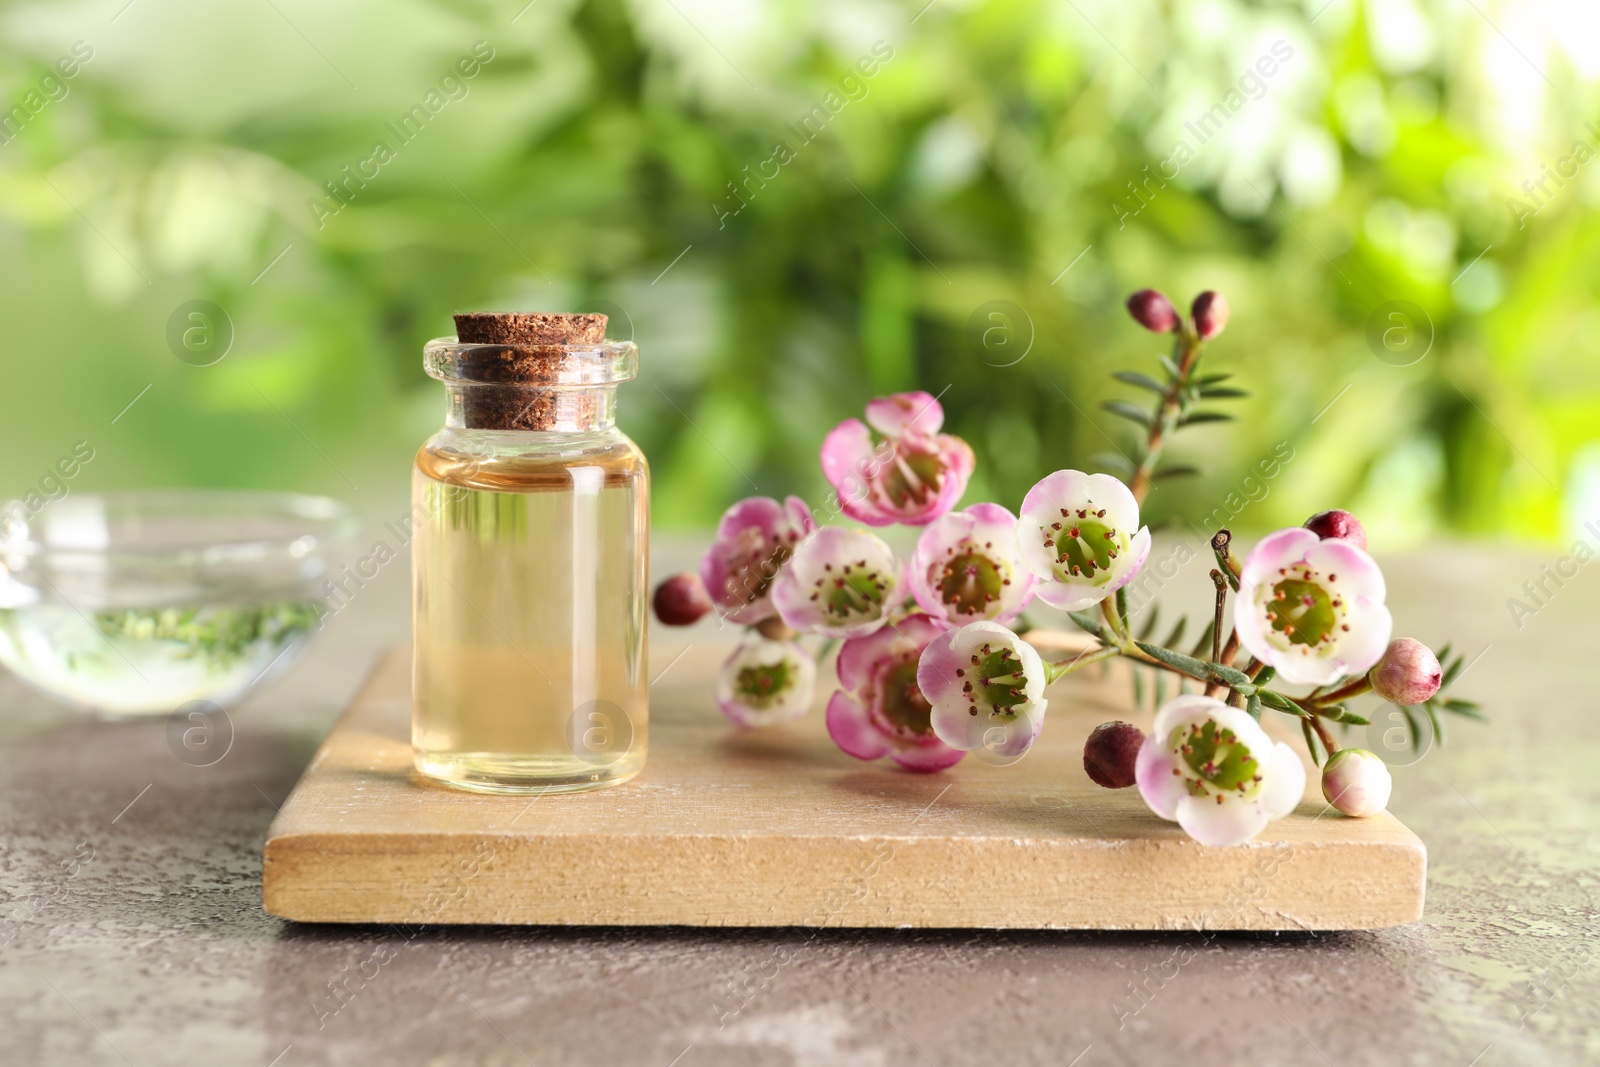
(1339, 524)
(1111, 752)
(1408, 673)
(681, 600)
(1153, 311)
(1210, 311)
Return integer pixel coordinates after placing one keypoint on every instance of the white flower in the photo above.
(1312, 608)
(838, 583)
(1080, 534)
(966, 567)
(986, 687)
(766, 682)
(1213, 770)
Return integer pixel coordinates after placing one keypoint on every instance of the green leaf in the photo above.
(1150, 624)
(1452, 671)
(1210, 379)
(1177, 632)
(1433, 719)
(1170, 367)
(1129, 410)
(1465, 708)
(1175, 472)
(1177, 660)
(1274, 699)
(1203, 416)
(1311, 741)
(1227, 675)
(1161, 688)
(1202, 647)
(1340, 713)
(1412, 725)
(1222, 392)
(1253, 706)
(1265, 675)
(1092, 626)
(1138, 688)
(1143, 381)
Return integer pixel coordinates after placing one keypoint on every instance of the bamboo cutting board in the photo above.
(778, 827)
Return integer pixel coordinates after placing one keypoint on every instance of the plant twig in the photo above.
(1186, 352)
(1329, 745)
(1220, 544)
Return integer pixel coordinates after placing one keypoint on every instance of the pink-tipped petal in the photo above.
(859, 655)
(936, 670)
(1277, 550)
(1158, 785)
(1358, 573)
(1138, 553)
(849, 466)
(852, 730)
(927, 758)
(905, 413)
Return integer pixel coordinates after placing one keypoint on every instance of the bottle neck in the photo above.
(531, 408)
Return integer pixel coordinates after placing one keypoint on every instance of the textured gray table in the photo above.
(156, 950)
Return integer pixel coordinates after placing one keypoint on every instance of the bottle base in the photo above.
(490, 772)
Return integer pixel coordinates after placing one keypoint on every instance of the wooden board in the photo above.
(778, 827)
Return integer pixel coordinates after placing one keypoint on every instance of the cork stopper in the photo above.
(530, 355)
(532, 328)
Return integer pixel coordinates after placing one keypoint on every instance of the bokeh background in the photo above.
(979, 187)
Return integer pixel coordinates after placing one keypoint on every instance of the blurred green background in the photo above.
(654, 159)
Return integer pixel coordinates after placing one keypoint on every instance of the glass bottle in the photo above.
(529, 579)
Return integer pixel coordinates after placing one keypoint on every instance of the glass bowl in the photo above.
(135, 603)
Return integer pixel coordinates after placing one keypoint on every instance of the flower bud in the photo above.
(1338, 524)
(1153, 311)
(1111, 752)
(681, 600)
(1408, 673)
(1210, 311)
(1356, 782)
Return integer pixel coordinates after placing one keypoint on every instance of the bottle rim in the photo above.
(548, 365)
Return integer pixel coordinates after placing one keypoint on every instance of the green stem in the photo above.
(1119, 626)
(1328, 743)
(1186, 352)
(1221, 545)
(1052, 671)
(1344, 692)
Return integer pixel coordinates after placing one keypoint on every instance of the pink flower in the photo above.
(838, 583)
(986, 686)
(766, 682)
(1214, 771)
(966, 567)
(914, 475)
(1080, 533)
(754, 539)
(1312, 608)
(880, 711)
